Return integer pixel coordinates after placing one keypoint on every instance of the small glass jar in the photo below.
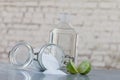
(24, 56)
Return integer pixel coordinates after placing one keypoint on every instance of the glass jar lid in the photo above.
(21, 55)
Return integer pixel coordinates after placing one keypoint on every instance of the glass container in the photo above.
(24, 56)
(65, 36)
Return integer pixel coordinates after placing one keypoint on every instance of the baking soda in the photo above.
(54, 72)
(51, 64)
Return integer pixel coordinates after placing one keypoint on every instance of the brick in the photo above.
(7, 14)
(19, 37)
(48, 21)
(3, 31)
(98, 64)
(3, 3)
(49, 9)
(95, 52)
(36, 15)
(114, 47)
(1, 20)
(84, 52)
(24, 27)
(12, 9)
(2, 49)
(84, 5)
(90, 5)
(15, 9)
(37, 20)
(114, 17)
(107, 5)
(96, 58)
(4, 55)
(118, 47)
(60, 4)
(47, 3)
(26, 20)
(16, 20)
(23, 9)
(30, 9)
(117, 66)
(82, 58)
(38, 9)
(2, 8)
(30, 3)
(2, 26)
(3, 44)
(7, 20)
(107, 60)
(28, 15)
(18, 14)
(104, 46)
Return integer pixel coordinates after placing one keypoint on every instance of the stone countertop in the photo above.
(28, 75)
(12, 74)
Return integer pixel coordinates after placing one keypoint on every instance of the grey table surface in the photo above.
(14, 74)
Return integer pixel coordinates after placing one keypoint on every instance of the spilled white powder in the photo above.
(51, 64)
(54, 72)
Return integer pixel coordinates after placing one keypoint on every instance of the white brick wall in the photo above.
(97, 23)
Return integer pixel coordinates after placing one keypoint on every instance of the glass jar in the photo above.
(65, 36)
(24, 56)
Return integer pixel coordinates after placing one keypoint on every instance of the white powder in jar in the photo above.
(50, 62)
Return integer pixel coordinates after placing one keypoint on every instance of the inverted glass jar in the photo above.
(24, 56)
